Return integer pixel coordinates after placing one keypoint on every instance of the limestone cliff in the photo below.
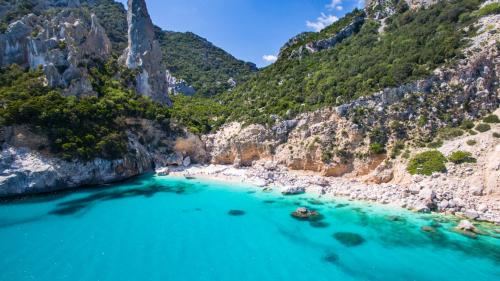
(62, 45)
(144, 54)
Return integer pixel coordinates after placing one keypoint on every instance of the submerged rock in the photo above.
(349, 239)
(466, 228)
(429, 229)
(331, 258)
(236, 213)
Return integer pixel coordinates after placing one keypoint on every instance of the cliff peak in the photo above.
(144, 53)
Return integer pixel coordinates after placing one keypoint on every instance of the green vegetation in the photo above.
(471, 142)
(412, 45)
(83, 128)
(467, 125)
(199, 115)
(448, 133)
(205, 67)
(397, 149)
(496, 135)
(427, 163)
(460, 157)
(22, 7)
(377, 148)
(326, 33)
(435, 144)
(491, 119)
(490, 9)
(483, 128)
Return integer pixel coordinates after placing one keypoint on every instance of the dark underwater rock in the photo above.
(236, 213)
(349, 239)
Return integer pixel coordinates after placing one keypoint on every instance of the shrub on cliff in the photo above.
(449, 133)
(491, 119)
(460, 157)
(483, 128)
(490, 9)
(427, 163)
(377, 148)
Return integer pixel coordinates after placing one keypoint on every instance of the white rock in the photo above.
(466, 225)
(471, 214)
(186, 162)
(163, 171)
(291, 190)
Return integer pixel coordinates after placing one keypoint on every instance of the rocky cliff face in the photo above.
(144, 54)
(61, 44)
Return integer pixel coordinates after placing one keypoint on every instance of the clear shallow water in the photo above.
(166, 229)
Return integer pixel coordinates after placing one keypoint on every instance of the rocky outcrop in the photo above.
(328, 43)
(323, 44)
(62, 45)
(178, 86)
(144, 54)
(24, 171)
(381, 9)
(27, 165)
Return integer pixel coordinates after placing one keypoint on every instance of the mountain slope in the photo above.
(403, 47)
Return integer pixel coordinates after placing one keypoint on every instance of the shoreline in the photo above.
(271, 177)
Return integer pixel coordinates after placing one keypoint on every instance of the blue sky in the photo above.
(251, 30)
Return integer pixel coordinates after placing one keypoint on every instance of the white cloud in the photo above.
(333, 4)
(322, 22)
(270, 58)
(361, 4)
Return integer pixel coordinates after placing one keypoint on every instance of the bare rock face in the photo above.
(97, 43)
(144, 54)
(61, 44)
(381, 9)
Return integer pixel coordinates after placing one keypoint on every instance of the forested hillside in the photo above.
(409, 46)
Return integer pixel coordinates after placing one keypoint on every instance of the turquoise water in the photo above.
(166, 229)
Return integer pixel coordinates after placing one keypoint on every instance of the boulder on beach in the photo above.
(163, 172)
(293, 190)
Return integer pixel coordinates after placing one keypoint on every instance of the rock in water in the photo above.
(144, 54)
(349, 239)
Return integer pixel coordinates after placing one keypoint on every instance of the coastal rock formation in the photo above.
(25, 168)
(144, 54)
(23, 171)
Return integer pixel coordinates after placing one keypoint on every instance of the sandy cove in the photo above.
(424, 194)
